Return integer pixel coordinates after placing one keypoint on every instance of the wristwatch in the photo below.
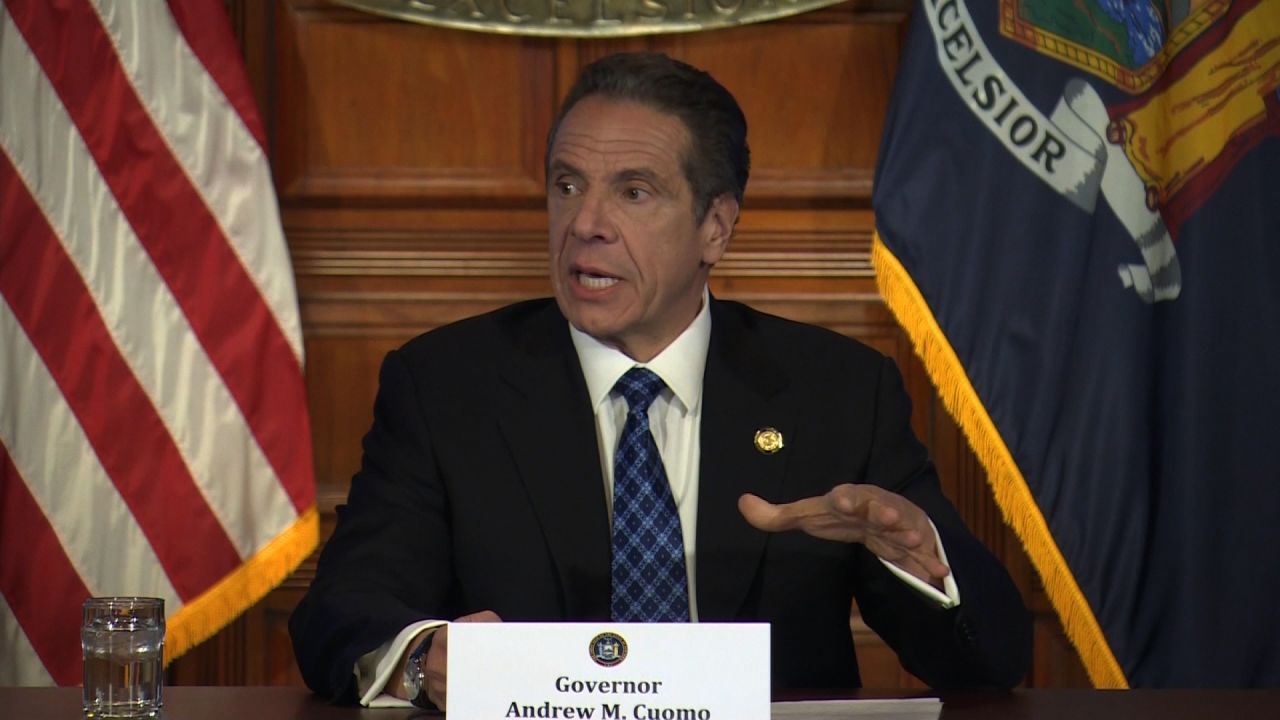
(415, 677)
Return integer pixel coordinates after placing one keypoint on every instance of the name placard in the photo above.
(608, 671)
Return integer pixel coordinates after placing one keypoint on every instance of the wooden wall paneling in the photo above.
(342, 378)
(251, 23)
(815, 88)
(1055, 662)
(374, 110)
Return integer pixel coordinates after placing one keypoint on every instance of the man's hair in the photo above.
(717, 160)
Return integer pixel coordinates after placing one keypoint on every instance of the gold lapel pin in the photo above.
(768, 440)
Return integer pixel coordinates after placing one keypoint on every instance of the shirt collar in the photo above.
(680, 364)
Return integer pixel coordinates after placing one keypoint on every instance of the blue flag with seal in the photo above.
(1078, 224)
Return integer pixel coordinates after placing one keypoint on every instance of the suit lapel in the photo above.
(743, 392)
(550, 428)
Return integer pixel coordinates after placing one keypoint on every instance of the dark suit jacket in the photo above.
(481, 489)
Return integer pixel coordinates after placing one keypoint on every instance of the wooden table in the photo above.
(266, 703)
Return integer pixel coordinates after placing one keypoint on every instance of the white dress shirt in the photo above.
(675, 419)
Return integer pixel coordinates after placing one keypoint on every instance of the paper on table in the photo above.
(903, 709)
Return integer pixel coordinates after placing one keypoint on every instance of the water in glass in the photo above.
(123, 642)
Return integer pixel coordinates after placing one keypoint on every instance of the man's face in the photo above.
(628, 260)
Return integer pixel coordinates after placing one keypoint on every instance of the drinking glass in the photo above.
(123, 643)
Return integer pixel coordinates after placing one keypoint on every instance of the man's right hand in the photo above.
(436, 664)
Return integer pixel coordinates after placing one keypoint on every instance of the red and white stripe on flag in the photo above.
(153, 429)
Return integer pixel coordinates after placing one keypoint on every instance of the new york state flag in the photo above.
(1078, 224)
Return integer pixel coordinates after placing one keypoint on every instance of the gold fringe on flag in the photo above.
(1011, 492)
(213, 610)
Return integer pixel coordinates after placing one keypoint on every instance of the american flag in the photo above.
(153, 430)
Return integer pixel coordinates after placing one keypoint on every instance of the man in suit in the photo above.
(489, 484)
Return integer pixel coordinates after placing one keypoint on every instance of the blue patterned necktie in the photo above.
(649, 580)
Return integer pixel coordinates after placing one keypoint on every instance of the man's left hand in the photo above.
(889, 525)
